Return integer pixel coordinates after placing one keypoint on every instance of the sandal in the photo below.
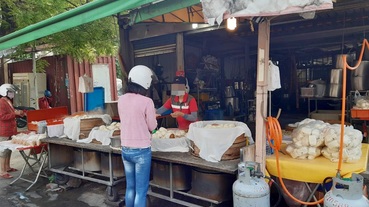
(6, 176)
(12, 170)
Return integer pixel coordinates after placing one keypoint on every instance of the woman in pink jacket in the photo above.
(138, 119)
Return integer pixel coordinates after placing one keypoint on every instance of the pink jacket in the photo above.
(138, 118)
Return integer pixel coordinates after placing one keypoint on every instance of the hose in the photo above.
(344, 79)
(274, 135)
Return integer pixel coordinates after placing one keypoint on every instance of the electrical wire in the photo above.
(274, 132)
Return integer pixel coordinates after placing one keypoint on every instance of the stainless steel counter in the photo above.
(172, 158)
(61, 161)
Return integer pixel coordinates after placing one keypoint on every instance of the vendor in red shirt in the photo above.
(45, 101)
(8, 126)
(183, 106)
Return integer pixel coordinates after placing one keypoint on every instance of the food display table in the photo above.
(61, 158)
(316, 99)
(186, 158)
(316, 170)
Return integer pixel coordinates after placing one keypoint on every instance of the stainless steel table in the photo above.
(316, 99)
(61, 158)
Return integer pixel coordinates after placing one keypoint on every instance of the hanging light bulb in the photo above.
(195, 25)
(231, 23)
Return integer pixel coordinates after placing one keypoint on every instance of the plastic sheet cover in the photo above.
(170, 145)
(213, 142)
(217, 10)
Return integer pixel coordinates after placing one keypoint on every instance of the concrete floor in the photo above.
(88, 194)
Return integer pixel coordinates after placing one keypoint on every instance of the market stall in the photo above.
(86, 160)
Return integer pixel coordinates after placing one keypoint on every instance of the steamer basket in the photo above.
(88, 124)
(215, 136)
(233, 151)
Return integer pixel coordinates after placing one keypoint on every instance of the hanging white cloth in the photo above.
(86, 84)
(274, 79)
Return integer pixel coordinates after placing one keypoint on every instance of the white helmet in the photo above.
(5, 88)
(142, 76)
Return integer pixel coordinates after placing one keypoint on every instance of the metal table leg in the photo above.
(312, 193)
(39, 159)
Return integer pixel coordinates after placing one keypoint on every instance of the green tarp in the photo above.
(81, 15)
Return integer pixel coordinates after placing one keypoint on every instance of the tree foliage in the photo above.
(86, 41)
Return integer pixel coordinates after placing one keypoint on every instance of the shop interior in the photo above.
(220, 64)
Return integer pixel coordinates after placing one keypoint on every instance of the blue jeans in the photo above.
(137, 165)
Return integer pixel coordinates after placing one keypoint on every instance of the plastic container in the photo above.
(360, 114)
(55, 130)
(41, 127)
(95, 99)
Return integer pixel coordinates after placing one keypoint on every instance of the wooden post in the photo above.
(262, 91)
(180, 54)
(126, 56)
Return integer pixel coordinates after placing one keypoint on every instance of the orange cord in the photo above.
(274, 132)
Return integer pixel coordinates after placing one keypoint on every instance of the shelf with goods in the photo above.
(357, 114)
(251, 107)
(205, 87)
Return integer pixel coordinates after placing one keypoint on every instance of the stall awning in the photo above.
(87, 13)
(158, 10)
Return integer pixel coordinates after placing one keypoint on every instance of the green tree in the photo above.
(87, 41)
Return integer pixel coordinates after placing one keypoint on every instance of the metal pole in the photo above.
(35, 75)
